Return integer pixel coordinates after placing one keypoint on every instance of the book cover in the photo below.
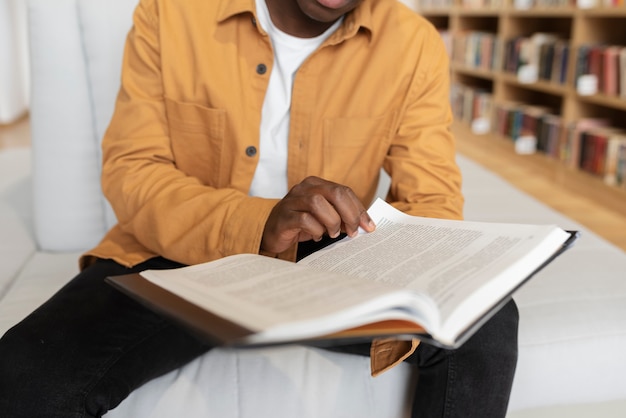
(582, 61)
(622, 72)
(594, 149)
(621, 166)
(558, 72)
(612, 161)
(596, 64)
(573, 143)
(610, 84)
(546, 60)
(554, 134)
(587, 149)
(564, 64)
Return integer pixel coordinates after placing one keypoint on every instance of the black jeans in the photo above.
(83, 351)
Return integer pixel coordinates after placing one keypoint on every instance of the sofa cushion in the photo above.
(287, 381)
(41, 276)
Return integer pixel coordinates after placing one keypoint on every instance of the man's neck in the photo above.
(289, 18)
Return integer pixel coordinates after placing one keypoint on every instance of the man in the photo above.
(246, 126)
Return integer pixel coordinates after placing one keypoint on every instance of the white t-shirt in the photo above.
(270, 177)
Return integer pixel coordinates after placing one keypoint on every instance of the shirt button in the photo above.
(251, 151)
(261, 69)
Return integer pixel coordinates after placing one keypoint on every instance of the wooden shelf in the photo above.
(581, 196)
(547, 168)
(604, 100)
(613, 12)
(539, 85)
(578, 27)
(474, 72)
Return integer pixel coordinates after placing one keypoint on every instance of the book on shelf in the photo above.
(606, 64)
(503, 117)
(558, 73)
(571, 151)
(540, 53)
(594, 66)
(610, 70)
(546, 60)
(481, 4)
(599, 151)
(475, 49)
(536, 57)
(582, 61)
(473, 106)
(511, 54)
(622, 72)
(428, 4)
(532, 124)
(434, 279)
(621, 166)
(592, 149)
(612, 175)
(551, 135)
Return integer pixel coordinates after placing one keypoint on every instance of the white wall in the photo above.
(14, 65)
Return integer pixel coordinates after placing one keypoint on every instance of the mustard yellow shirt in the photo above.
(182, 146)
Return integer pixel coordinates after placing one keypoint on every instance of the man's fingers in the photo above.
(311, 209)
(350, 209)
(324, 212)
(352, 214)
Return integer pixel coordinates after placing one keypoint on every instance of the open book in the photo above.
(432, 278)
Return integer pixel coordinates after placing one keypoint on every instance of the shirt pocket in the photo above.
(197, 136)
(354, 151)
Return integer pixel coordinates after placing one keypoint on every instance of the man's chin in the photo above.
(327, 10)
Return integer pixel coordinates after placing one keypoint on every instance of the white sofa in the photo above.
(573, 315)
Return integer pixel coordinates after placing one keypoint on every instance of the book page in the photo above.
(262, 293)
(458, 264)
(441, 274)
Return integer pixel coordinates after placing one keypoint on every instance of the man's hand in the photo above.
(311, 209)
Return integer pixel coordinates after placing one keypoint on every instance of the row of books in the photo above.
(433, 4)
(476, 49)
(472, 106)
(518, 4)
(588, 144)
(589, 4)
(529, 4)
(602, 68)
(483, 4)
(540, 56)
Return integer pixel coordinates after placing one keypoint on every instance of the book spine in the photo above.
(611, 161)
(622, 72)
(610, 71)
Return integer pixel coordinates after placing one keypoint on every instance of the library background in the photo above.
(541, 77)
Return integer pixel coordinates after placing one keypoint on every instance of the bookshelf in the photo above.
(520, 35)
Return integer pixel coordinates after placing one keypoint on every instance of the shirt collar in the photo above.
(361, 17)
(230, 8)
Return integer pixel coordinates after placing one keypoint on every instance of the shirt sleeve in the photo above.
(425, 179)
(168, 212)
